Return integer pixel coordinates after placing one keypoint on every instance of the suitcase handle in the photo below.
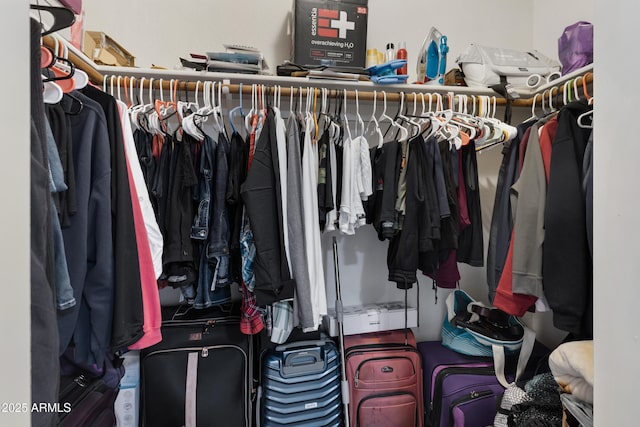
(304, 360)
(308, 343)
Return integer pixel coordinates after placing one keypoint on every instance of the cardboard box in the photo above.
(104, 50)
(330, 32)
(360, 319)
(127, 404)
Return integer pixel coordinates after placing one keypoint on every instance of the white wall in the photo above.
(550, 17)
(616, 207)
(14, 218)
(159, 33)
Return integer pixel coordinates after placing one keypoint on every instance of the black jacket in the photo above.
(127, 309)
(263, 201)
(567, 264)
(470, 241)
(421, 225)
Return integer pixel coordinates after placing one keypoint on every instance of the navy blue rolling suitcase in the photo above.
(301, 385)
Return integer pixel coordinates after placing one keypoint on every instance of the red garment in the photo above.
(505, 299)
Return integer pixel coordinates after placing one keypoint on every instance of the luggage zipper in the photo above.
(357, 374)
(380, 395)
(204, 352)
(378, 347)
(207, 323)
(435, 406)
(464, 399)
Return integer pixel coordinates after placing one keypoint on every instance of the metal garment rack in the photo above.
(365, 91)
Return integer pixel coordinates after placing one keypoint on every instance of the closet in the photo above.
(614, 213)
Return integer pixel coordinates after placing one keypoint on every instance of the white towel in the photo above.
(572, 367)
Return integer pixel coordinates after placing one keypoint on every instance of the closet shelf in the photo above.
(231, 81)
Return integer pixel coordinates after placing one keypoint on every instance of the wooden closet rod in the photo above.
(554, 92)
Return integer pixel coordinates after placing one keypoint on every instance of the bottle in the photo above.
(402, 54)
(372, 57)
(391, 53)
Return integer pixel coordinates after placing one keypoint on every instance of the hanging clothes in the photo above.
(44, 334)
(501, 218)
(261, 195)
(548, 263)
(88, 241)
(128, 311)
(567, 262)
(311, 225)
(471, 240)
(528, 192)
(148, 240)
(303, 307)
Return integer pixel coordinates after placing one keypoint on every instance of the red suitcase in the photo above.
(384, 372)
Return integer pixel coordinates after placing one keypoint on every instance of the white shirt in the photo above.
(312, 225)
(156, 242)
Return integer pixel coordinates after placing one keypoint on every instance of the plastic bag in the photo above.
(575, 46)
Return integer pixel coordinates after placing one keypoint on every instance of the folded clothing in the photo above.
(572, 367)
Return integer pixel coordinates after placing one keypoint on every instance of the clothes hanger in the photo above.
(62, 17)
(345, 119)
(119, 98)
(587, 114)
(80, 78)
(533, 109)
(249, 117)
(186, 108)
(584, 116)
(359, 121)
(584, 88)
(385, 117)
(51, 92)
(315, 116)
(375, 135)
(566, 93)
(414, 126)
(235, 110)
(460, 119)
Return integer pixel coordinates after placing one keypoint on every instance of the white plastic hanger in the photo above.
(345, 119)
(385, 117)
(411, 126)
(80, 78)
(249, 117)
(51, 92)
(359, 121)
(235, 110)
(291, 112)
(374, 136)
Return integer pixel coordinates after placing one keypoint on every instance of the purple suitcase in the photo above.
(462, 390)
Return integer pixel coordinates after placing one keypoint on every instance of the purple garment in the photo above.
(575, 46)
(74, 5)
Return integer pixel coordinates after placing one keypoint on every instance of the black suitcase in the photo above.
(200, 374)
(86, 401)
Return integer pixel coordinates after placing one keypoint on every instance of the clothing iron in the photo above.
(432, 61)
